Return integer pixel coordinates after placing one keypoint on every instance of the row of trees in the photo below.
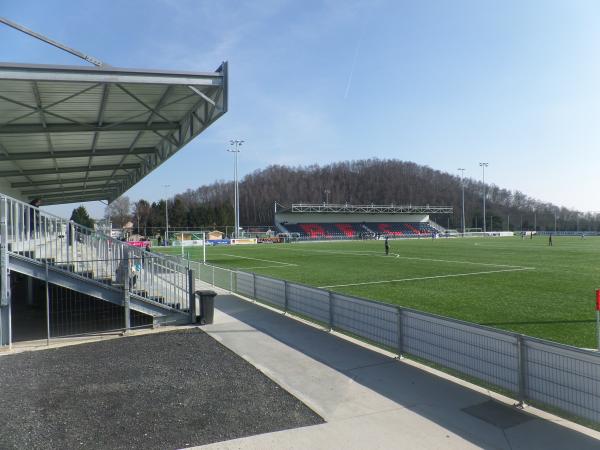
(371, 181)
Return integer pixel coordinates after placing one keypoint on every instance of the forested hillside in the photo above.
(359, 182)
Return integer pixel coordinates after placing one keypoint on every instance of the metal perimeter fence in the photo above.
(553, 376)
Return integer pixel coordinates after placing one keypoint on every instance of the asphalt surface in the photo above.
(158, 391)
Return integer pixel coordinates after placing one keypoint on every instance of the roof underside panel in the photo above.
(95, 132)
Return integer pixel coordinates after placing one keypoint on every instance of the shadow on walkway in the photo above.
(465, 412)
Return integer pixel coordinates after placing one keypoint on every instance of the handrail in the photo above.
(92, 254)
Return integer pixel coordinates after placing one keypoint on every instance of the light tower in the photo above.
(483, 165)
(462, 183)
(166, 186)
(235, 145)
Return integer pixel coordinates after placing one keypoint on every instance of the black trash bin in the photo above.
(207, 307)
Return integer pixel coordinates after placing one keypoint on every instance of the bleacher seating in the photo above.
(401, 228)
(358, 230)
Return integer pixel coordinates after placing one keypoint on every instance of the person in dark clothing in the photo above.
(550, 240)
(386, 245)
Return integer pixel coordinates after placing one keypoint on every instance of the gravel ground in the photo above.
(159, 391)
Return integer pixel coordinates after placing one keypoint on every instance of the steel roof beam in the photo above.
(74, 199)
(74, 154)
(101, 193)
(35, 72)
(75, 128)
(99, 120)
(35, 110)
(66, 181)
(79, 188)
(16, 173)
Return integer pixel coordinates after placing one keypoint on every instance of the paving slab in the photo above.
(370, 400)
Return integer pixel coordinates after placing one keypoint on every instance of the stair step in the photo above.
(67, 267)
(86, 273)
(26, 253)
(50, 261)
(104, 280)
(140, 292)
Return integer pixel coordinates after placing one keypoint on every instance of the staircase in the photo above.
(440, 229)
(43, 246)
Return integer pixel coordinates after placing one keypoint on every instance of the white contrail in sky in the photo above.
(349, 83)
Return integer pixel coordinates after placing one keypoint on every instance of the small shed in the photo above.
(214, 235)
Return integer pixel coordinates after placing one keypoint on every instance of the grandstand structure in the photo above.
(75, 134)
(344, 221)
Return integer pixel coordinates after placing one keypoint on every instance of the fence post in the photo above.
(47, 307)
(213, 276)
(126, 288)
(254, 286)
(330, 310)
(231, 281)
(192, 295)
(285, 296)
(522, 362)
(400, 340)
(5, 332)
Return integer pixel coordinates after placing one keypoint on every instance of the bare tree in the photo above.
(119, 211)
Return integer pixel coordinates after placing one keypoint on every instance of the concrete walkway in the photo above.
(372, 401)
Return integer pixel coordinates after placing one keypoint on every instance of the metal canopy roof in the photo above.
(72, 133)
(327, 208)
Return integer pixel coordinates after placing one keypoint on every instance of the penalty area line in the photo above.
(427, 278)
(399, 256)
(280, 264)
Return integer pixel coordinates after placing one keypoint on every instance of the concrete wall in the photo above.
(348, 218)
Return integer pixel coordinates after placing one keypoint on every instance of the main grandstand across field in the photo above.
(343, 221)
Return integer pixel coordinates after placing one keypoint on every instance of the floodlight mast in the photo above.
(166, 186)
(483, 165)
(235, 145)
(462, 183)
(41, 37)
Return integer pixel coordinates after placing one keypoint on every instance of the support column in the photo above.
(126, 288)
(5, 319)
(192, 296)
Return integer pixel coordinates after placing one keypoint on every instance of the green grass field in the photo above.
(509, 283)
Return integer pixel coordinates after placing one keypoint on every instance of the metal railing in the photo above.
(551, 375)
(90, 254)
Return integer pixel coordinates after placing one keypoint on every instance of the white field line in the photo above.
(413, 258)
(279, 263)
(267, 267)
(427, 278)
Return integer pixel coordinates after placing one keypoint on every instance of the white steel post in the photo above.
(235, 149)
(5, 313)
(166, 186)
(598, 317)
(483, 166)
(462, 183)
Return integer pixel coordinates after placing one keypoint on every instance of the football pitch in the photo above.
(522, 285)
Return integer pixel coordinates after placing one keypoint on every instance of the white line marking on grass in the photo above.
(267, 267)
(427, 278)
(414, 258)
(263, 260)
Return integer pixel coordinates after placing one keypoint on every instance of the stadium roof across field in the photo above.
(362, 209)
(72, 133)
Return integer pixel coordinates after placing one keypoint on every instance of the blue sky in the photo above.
(441, 83)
